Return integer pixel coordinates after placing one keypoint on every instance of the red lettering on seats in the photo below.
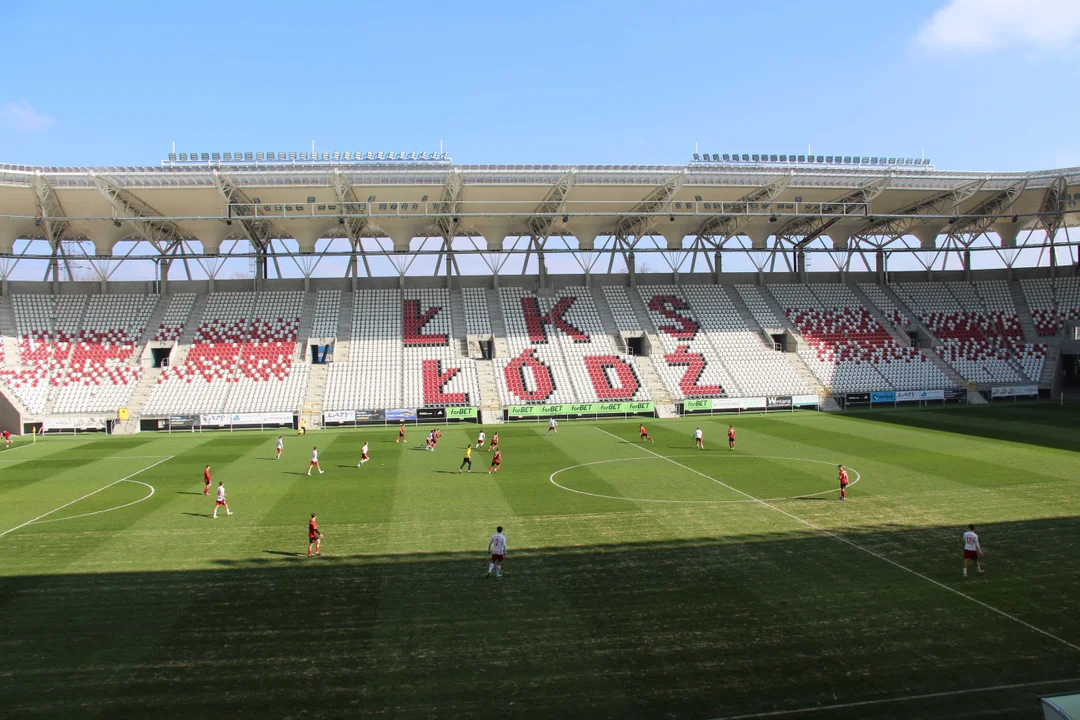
(535, 322)
(597, 366)
(666, 305)
(413, 323)
(695, 365)
(435, 380)
(542, 381)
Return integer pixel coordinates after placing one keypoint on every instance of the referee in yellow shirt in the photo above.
(468, 459)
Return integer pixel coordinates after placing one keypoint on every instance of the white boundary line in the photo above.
(904, 698)
(99, 512)
(31, 522)
(855, 545)
(85, 459)
(698, 502)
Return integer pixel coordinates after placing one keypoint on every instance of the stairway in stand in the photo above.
(8, 330)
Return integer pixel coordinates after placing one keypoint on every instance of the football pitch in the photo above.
(641, 580)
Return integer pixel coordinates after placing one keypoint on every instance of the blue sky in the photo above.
(978, 84)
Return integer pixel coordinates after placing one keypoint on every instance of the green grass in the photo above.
(690, 601)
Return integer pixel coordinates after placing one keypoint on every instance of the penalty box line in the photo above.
(859, 547)
(95, 492)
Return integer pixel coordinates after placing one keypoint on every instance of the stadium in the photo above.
(917, 326)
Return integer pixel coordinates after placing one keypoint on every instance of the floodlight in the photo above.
(423, 199)
(708, 206)
(755, 157)
(311, 198)
(172, 156)
(238, 156)
(303, 156)
(260, 156)
(292, 156)
(715, 157)
(847, 159)
(866, 160)
(369, 155)
(116, 223)
(347, 156)
(326, 156)
(341, 221)
(216, 157)
(371, 198)
(802, 158)
(892, 161)
(336, 156)
(227, 157)
(671, 218)
(746, 158)
(228, 222)
(697, 157)
(255, 200)
(698, 198)
(423, 155)
(952, 221)
(772, 158)
(379, 155)
(727, 157)
(873, 161)
(183, 157)
(925, 161)
(277, 208)
(678, 206)
(820, 158)
(1016, 218)
(772, 218)
(566, 218)
(247, 156)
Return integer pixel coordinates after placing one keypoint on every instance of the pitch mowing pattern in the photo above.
(610, 608)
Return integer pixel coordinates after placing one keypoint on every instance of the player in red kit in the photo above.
(843, 482)
(314, 537)
(731, 437)
(496, 460)
(206, 479)
(494, 443)
(400, 433)
(7, 439)
(644, 434)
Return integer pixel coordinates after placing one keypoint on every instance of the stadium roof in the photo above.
(381, 206)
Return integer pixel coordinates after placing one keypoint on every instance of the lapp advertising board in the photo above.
(914, 395)
(882, 397)
(401, 414)
(339, 416)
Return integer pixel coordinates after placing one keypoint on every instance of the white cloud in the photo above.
(978, 26)
(23, 117)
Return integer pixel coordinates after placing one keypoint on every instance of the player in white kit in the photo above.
(699, 440)
(497, 548)
(363, 455)
(972, 549)
(314, 461)
(553, 427)
(220, 502)
(280, 447)
(480, 439)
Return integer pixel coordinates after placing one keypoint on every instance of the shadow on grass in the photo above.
(1032, 423)
(188, 492)
(202, 515)
(689, 628)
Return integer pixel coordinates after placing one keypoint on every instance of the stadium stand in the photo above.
(176, 317)
(100, 376)
(881, 300)
(477, 321)
(978, 329)
(561, 353)
(241, 358)
(47, 326)
(327, 308)
(846, 348)
(756, 368)
(1052, 302)
(433, 374)
(372, 375)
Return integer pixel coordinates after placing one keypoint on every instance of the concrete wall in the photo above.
(10, 419)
